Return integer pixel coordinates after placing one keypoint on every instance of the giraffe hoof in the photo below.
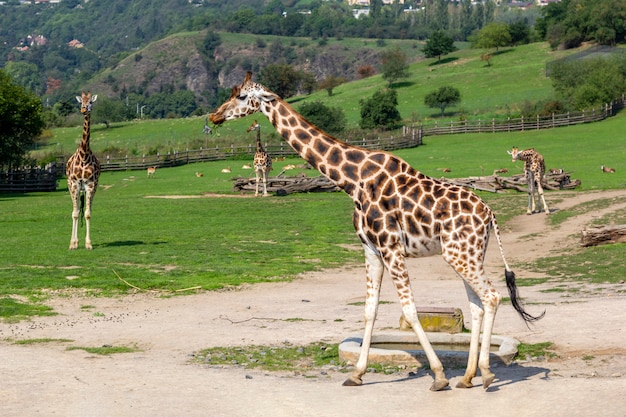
(439, 384)
(464, 384)
(353, 382)
(487, 380)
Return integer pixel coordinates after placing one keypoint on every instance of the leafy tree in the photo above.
(21, 118)
(329, 119)
(494, 35)
(308, 83)
(394, 65)
(590, 82)
(381, 110)
(443, 97)
(282, 79)
(439, 44)
(330, 82)
(25, 74)
(520, 32)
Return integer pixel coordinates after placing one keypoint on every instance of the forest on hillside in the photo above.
(55, 49)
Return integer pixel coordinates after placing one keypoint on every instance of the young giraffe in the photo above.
(399, 212)
(534, 169)
(83, 170)
(262, 160)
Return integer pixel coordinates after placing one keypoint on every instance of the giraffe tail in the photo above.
(81, 215)
(509, 276)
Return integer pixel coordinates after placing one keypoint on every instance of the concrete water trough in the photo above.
(399, 347)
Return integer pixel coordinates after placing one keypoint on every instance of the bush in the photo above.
(329, 119)
(381, 110)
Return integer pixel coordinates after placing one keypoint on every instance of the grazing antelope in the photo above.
(226, 170)
(607, 169)
(556, 171)
(199, 174)
(151, 171)
(246, 166)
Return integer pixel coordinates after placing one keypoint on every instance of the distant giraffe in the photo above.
(262, 160)
(534, 169)
(398, 213)
(83, 170)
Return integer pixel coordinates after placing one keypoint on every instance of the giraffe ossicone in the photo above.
(534, 171)
(82, 171)
(398, 213)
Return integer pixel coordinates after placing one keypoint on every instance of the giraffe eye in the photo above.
(242, 97)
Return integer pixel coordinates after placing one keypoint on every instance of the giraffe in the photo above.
(83, 170)
(262, 160)
(534, 169)
(398, 213)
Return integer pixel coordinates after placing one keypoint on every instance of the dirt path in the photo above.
(587, 328)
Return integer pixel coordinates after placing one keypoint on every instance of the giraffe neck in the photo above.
(84, 143)
(259, 146)
(335, 159)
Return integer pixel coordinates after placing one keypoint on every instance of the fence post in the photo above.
(523, 123)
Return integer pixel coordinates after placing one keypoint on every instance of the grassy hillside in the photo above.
(515, 75)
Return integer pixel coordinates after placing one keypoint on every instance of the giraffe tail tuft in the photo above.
(517, 305)
(81, 216)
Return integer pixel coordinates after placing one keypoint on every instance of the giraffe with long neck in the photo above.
(398, 213)
(83, 170)
(262, 160)
(534, 170)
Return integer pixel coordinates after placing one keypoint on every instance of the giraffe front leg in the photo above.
(75, 214)
(256, 190)
(374, 271)
(400, 278)
(265, 184)
(88, 200)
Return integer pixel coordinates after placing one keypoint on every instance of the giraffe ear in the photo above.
(94, 97)
(268, 96)
(79, 99)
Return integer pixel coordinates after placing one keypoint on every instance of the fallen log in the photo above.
(288, 185)
(492, 183)
(603, 235)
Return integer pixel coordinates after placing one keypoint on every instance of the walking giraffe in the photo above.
(262, 160)
(83, 170)
(534, 170)
(398, 213)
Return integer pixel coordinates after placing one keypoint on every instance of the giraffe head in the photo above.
(255, 126)
(514, 153)
(245, 99)
(86, 102)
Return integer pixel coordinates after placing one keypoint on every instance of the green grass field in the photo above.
(171, 244)
(149, 242)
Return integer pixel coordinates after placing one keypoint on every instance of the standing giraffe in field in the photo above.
(398, 213)
(534, 170)
(83, 170)
(262, 160)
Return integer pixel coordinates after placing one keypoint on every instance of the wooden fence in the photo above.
(36, 179)
(29, 180)
(410, 137)
(523, 124)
